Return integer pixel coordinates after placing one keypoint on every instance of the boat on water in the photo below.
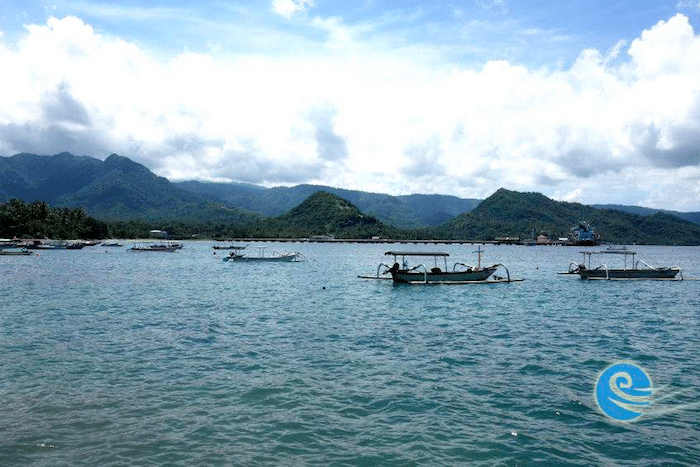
(14, 252)
(48, 245)
(6, 243)
(583, 235)
(90, 242)
(167, 247)
(229, 247)
(403, 273)
(237, 255)
(630, 269)
(111, 243)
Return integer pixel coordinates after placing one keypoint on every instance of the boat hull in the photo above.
(474, 275)
(15, 253)
(657, 273)
(265, 259)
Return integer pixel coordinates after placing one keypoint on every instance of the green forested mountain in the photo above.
(510, 213)
(46, 178)
(689, 216)
(134, 200)
(322, 214)
(114, 189)
(408, 211)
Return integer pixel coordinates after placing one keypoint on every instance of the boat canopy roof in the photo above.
(416, 253)
(619, 251)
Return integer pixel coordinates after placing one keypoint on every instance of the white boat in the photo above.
(111, 243)
(628, 271)
(237, 255)
(402, 272)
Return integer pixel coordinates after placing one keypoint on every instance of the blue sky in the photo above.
(597, 102)
(534, 33)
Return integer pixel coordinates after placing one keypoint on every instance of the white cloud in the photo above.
(287, 8)
(621, 126)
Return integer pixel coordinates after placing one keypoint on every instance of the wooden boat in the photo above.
(14, 252)
(155, 247)
(229, 247)
(585, 271)
(57, 245)
(237, 255)
(401, 272)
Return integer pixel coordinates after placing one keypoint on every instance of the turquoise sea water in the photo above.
(109, 357)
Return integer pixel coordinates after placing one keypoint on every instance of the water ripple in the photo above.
(182, 359)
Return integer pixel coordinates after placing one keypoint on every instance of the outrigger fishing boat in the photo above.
(585, 271)
(402, 272)
(276, 256)
(14, 252)
(229, 247)
(167, 247)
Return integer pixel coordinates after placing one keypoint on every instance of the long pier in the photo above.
(374, 240)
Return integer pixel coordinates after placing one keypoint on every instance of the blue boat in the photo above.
(583, 235)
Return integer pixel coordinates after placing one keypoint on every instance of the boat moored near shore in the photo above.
(237, 255)
(403, 273)
(630, 270)
(167, 247)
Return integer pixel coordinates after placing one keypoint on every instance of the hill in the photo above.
(689, 216)
(118, 189)
(114, 189)
(322, 213)
(510, 213)
(408, 211)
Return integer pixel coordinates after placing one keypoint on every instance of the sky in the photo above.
(587, 101)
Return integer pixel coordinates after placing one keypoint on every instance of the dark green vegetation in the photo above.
(38, 220)
(510, 213)
(689, 216)
(409, 211)
(323, 214)
(130, 200)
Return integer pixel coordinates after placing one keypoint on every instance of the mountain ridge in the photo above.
(403, 211)
(119, 189)
(511, 213)
(114, 189)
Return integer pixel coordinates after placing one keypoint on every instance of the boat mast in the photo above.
(480, 252)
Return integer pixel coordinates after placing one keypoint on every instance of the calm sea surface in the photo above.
(110, 357)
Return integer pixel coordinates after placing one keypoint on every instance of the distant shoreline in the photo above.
(385, 240)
